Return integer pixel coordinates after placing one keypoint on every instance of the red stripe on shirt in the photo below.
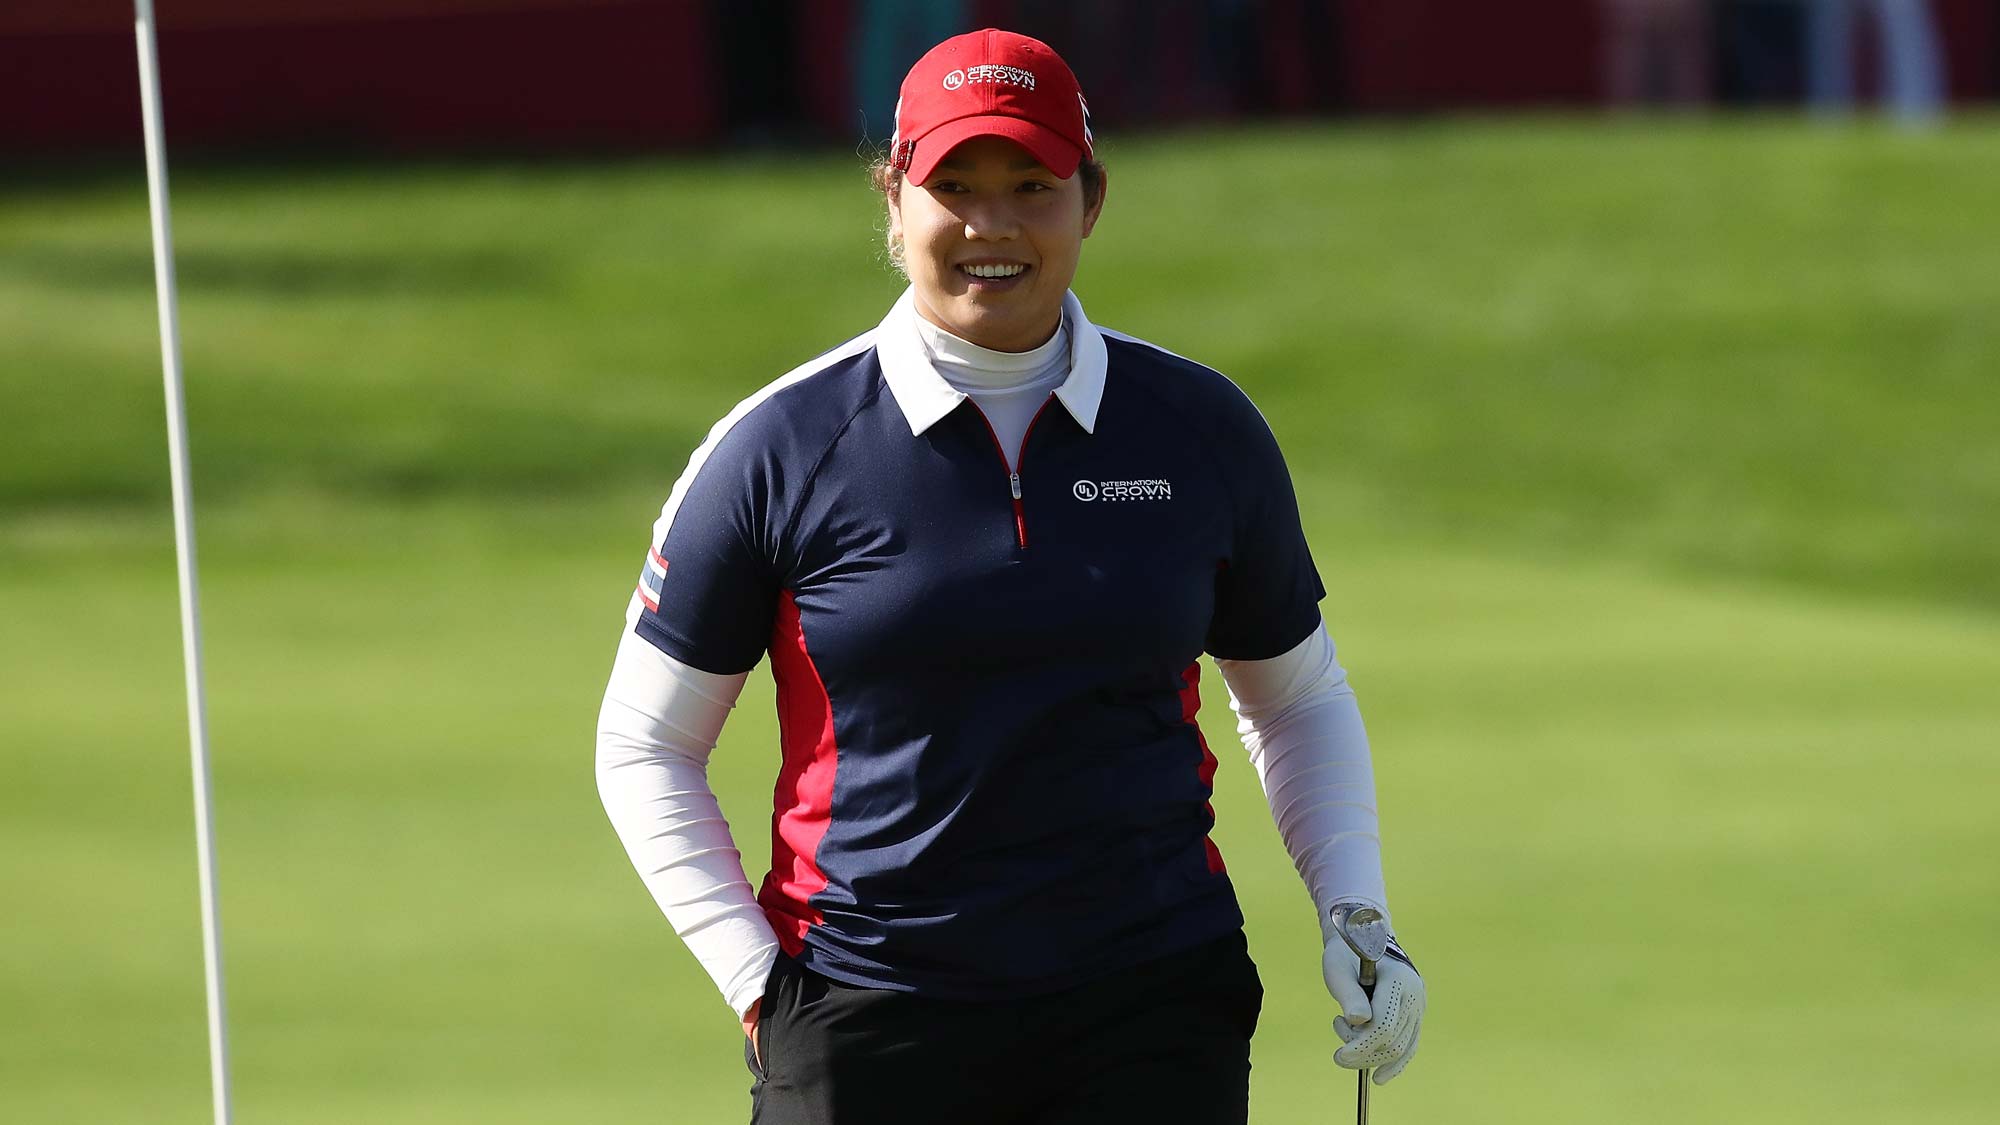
(1190, 705)
(802, 804)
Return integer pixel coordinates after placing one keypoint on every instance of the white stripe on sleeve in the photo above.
(721, 429)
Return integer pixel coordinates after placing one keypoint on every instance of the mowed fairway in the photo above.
(1652, 473)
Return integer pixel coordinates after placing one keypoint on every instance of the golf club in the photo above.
(1366, 932)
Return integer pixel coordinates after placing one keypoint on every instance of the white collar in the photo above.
(924, 395)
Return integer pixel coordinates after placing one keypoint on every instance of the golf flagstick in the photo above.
(1366, 932)
(170, 358)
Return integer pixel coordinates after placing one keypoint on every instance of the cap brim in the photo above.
(1044, 144)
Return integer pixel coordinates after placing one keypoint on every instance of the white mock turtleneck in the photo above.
(1008, 387)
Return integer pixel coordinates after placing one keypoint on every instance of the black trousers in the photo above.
(1168, 1040)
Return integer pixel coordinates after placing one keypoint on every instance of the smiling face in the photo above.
(991, 242)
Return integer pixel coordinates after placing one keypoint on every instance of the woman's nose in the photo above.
(991, 221)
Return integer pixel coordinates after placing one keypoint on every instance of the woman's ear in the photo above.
(1093, 208)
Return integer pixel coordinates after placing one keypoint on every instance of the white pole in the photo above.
(170, 355)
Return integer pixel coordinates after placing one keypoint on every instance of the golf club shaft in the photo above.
(1366, 933)
(1367, 977)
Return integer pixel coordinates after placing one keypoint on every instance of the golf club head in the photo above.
(1363, 928)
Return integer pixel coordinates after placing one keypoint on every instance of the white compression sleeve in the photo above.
(655, 732)
(1301, 724)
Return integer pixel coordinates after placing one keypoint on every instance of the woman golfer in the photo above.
(984, 544)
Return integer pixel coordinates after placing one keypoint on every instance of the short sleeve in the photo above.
(707, 591)
(1267, 592)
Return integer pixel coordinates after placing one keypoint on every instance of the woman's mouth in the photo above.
(993, 276)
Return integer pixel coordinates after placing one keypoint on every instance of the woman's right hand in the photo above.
(750, 1028)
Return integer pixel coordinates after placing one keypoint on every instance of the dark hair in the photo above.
(887, 180)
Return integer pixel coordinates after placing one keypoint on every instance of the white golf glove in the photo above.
(1381, 1033)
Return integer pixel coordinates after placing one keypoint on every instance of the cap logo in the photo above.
(992, 73)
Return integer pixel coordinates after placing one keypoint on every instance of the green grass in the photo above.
(1650, 469)
(1756, 349)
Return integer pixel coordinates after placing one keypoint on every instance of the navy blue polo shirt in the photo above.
(991, 778)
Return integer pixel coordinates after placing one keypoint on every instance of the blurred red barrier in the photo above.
(1971, 32)
(455, 74)
(1433, 54)
(403, 73)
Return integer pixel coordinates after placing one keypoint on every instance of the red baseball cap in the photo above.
(990, 83)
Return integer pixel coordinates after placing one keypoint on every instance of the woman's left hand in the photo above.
(1380, 1031)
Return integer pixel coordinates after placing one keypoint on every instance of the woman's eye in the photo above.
(1036, 185)
(948, 186)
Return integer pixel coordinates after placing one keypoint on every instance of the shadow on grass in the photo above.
(281, 273)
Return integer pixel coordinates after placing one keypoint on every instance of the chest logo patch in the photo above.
(1110, 490)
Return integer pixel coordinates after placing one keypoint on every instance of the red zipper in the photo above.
(1013, 470)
